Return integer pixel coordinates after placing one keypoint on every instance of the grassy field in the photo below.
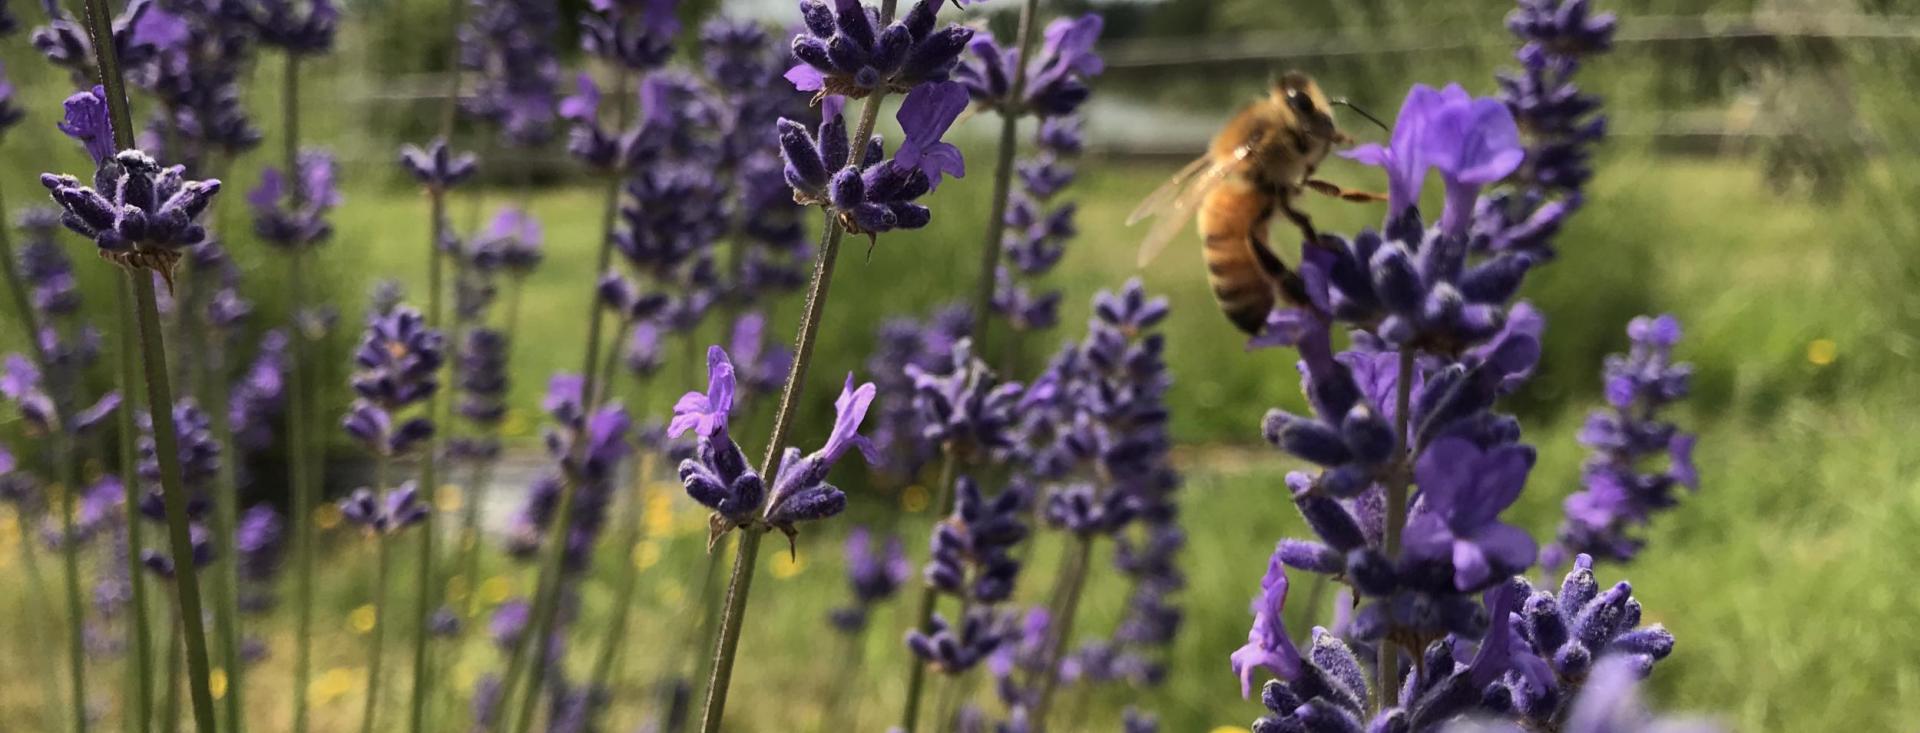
(1786, 579)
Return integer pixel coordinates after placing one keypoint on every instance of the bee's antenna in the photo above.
(1363, 113)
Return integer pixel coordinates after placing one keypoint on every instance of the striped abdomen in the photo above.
(1234, 219)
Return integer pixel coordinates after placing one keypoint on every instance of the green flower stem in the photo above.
(633, 520)
(159, 396)
(302, 469)
(60, 444)
(140, 715)
(1387, 667)
(383, 553)
(430, 463)
(1011, 111)
(60, 448)
(547, 585)
(923, 613)
(226, 612)
(1062, 632)
(747, 549)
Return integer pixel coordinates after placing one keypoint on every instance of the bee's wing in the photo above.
(1175, 201)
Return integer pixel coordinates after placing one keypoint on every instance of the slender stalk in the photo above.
(1387, 667)
(383, 551)
(166, 445)
(923, 613)
(1062, 631)
(429, 467)
(629, 577)
(226, 612)
(142, 671)
(1011, 110)
(300, 445)
(547, 586)
(159, 394)
(59, 445)
(748, 546)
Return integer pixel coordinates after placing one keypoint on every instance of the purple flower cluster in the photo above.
(1037, 229)
(965, 409)
(39, 398)
(138, 213)
(1099, 432)
(635, 34)
(1620, 495)
(1056, 78)
(719, 477)
(292, 214)
(873, 578)
(298, 27)
(901, 344)
(1561, 122)
(590, 467)
(199, 51)
(761, 364)
(397, 366)
(199, 455)
(261, 393)
(66, 43)
(481, 376)
(509, 46)
(44, 267)
(871, 195)
(972, 558)
(259, 541)
(399, 509)
(10, 112)
(511, 244)
(844, 52)
(436, 166)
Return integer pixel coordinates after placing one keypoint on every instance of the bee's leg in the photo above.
(1300, 220)
(1334, 190)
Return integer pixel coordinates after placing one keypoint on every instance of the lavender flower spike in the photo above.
(800, 489)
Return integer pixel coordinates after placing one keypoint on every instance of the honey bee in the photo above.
(1259, 163)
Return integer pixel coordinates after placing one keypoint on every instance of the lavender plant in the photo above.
(1411, 405)
(396, 369)
(1016, 83)
(141, 216)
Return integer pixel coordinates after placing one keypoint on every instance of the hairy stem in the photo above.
(748, 547)
(1387, 667)
(1011, 110)
(923, 609)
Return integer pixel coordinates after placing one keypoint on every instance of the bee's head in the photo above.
(1298, 97)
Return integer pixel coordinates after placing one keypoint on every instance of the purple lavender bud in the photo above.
(397, 359)
(302, 27)
(437, 166)
(87, 122)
